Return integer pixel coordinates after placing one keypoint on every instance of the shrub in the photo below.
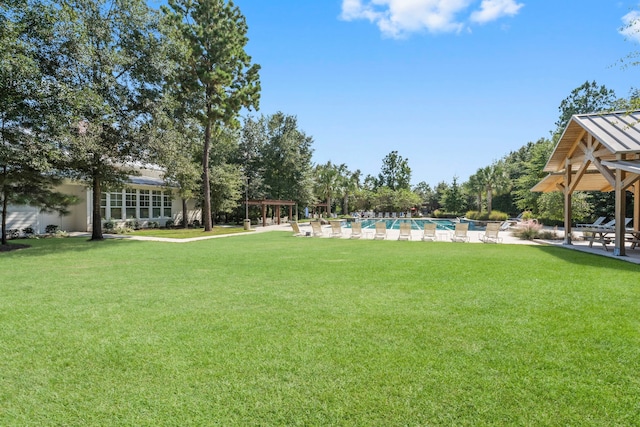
(527, 215)
(28, 231)
(498, 216)
(195, 224)
(153, 224)
(109, 225)
(51, 228)
(169, 223)
(441, 214)
(13, 233)
(528, 230)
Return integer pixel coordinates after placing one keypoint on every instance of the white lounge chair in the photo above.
(405, 231)
(381, 230)
(460, 232)
(491, 233)
(336, 229)
(356, 230)
(296, 229)
(316, 227)
(429, 232)
(595, 223)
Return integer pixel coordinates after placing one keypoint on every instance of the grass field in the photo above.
(270, 329)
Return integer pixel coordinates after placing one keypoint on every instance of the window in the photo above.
(103, 205)
(131, 199)
(167, 205)
(116, 205)
(156, 200)
(144, 203)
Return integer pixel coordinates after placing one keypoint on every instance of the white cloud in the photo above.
(397, 18)
(490, 10)
(631, 25)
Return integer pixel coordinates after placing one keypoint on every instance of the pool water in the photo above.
(416, 224)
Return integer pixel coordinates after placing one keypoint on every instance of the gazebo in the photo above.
(598, 152)
(263, 203)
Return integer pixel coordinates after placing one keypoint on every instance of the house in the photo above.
(146, 199)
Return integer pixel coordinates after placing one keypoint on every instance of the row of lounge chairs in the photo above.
(460, 232)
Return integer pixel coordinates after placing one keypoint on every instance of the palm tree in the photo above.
(476, 185)
(495, 180)
(326, 182)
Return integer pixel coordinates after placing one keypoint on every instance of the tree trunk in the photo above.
(489, 200)
(96, 230)
(206, 187)
(185, 220)
(5, 205)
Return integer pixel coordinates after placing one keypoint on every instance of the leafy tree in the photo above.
(395, 172)
(453, 199)
(109, 76)
(586, 98)
(29, 105)
(476, 185)
(405, 199)
(286, 159)
(426, 194)
(216, 78)
(551, 206)
(174, 144)
(533, 172)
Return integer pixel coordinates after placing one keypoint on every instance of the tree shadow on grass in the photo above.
(576, 256)
(42, 247)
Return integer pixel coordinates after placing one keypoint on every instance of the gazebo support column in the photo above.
(636, 206)
(621, 207)
(567, 204)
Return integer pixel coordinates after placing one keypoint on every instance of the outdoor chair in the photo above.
(429, 232)
(405, 231)
(460, 232)
(296, 229)
(356, 230)
(491, 233)
(381, 230)
(316, 228)
(595, 223)
(336, 229)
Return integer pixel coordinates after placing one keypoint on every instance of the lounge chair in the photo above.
(600, 234)
(296, 229)
(429, 232)
(356, 230)
(595, 223)
(336, 229)
(316, 227)
(491, 233)
(460, 232)
(405, 231)
(381, 230)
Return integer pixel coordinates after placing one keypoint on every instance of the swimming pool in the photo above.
(416, 223)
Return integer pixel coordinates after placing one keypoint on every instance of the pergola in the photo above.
(271, 202)
(598, 152)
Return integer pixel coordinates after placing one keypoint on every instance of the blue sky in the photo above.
(452, 85)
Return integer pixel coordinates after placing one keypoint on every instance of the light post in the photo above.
(247, 221)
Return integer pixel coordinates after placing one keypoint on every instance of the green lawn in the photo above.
(270, 329)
